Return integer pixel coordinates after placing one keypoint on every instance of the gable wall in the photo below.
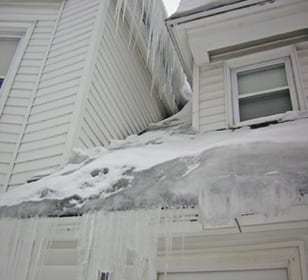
(213, 102)
(16, 106)
(120, 101)
(43, 144)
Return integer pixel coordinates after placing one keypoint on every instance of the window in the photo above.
(8, 46)
(262, 91)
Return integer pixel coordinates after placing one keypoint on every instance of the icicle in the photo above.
(121, 243)
(161, 58)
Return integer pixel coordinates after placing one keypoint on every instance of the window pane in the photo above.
(264, 105)
(1, 82)
(265, 78)
(8, 47)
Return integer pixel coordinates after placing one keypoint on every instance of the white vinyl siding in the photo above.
(120, 101)
(42, 147)
(212, 97)
(302, 52)
(15, 108)
(215, 109)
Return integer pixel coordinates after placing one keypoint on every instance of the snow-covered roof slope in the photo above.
(227, 173)
(187, 7)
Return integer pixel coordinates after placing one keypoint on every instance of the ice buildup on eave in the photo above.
(146, 22)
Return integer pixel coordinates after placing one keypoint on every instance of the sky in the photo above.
(171, 5)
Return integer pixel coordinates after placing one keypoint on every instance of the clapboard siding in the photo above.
(16, 107)
(302, 51)
(120, 100)
(212, 97)
(45, 136)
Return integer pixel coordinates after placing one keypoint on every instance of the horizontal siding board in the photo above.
(4, 167)
(17, 101)
(5, 157)
(55, 104)
(40, 153)
(46, 133)
(9, 128)
(61, 79)
(15, 110)
(42, 125)
(60, 72)
(37, 164)
(212, 119)
(58, 87)
(212, 126)
(220, 101)
(12, 119)
(20, 93)
(73, 54)
(64, 63)
(212, 111)
(58, 95)
(8, 137)
(43, 143)
(51, 114)
(7, 146)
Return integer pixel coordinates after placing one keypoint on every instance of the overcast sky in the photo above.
(171, 5)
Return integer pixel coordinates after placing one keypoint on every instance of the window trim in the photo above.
(10, 35)
(284, 255)
(235, 95)
(23, 30)
(296, 81)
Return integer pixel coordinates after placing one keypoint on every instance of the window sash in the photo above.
(286, 83)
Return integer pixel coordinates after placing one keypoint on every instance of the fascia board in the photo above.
(226, 28)
(244, 26)
(182, 47)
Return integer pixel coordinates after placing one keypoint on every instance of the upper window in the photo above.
(8, 46)
(262, 91)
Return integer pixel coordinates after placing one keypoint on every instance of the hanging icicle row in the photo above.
(146, 19)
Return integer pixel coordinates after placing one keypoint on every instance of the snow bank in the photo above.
(246, 170)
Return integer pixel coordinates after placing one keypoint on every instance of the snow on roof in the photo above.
(187, 7)
(227, 173)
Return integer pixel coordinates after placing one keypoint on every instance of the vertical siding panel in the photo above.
(212, 97)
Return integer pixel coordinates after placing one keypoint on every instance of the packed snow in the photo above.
(246, 170)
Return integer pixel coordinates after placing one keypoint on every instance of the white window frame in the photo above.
(285, 255)
(9, 35)
(286, 55)
(24, 31)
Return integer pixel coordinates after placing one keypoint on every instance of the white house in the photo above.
(246, 60)
(241, 57)
(78, 74)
